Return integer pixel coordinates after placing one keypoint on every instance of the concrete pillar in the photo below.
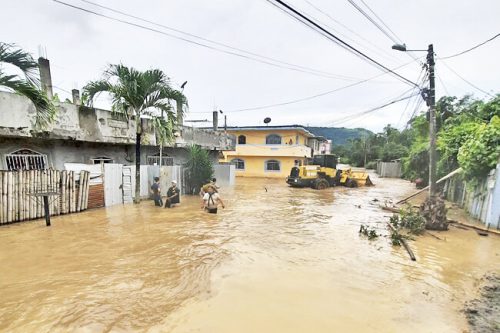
(45, 77)
(76, 96)
(215, 120)
(180, 117)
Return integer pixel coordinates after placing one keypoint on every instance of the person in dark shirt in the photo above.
(173, 195)
(155, 188)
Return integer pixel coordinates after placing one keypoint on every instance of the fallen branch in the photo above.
(405, 244)
(430, 233)
(390, 209)
(451, 174)
(463, 224)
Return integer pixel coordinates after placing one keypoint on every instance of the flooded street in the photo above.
(277, 259)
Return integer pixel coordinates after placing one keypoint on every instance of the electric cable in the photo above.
(308, 97)
(251, 56)
(464, 79)
(472, 48)
(359, 9)
(380, 50)
(311, 24)
(363, 113)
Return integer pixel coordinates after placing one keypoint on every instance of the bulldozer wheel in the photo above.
(321, 184)
(351, 183)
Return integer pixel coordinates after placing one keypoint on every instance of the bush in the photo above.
(199, 168)
(479, 154)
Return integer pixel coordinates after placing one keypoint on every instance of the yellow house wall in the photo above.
(259, 137)
(255, 166)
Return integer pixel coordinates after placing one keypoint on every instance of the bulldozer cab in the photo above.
(325, 161)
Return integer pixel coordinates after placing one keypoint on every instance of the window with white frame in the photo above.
(25, 159)
(238, 163)
(272, 165)
(273, 139)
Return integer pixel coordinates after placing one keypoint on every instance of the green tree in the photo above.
(137, 94)
(480, 152)
(199, 168)
(28, 84)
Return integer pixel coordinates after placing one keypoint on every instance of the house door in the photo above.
(113, 181)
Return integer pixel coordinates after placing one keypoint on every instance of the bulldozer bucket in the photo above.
(362, 178)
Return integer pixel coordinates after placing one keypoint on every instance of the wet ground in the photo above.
(275, 260)
(483, 313)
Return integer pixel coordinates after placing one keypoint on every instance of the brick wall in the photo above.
(96, 196)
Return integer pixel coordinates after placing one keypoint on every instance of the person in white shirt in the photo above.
(211, 200)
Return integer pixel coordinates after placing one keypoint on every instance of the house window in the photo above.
(273, 139)
(101, 159)
(272, 165)
(26, 159)
(242, 140)
(238, 163)
(155, 160)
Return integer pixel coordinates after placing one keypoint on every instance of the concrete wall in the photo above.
(389, 169)
(225, 174)
(481, 202)
(63, 151)
(73, 122)
(493, 213)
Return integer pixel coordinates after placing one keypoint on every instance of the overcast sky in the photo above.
(80, 45)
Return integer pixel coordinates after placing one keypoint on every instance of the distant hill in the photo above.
(339, 135)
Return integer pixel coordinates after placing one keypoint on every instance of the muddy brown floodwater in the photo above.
(281, 260)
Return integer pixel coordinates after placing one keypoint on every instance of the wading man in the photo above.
(204, 188)
(211, 200)
(155, 189)
(173, 195)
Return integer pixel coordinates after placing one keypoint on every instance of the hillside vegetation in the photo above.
(468, 136)
(340, 135)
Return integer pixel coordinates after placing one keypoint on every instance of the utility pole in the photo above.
(432, 122)
(429, 96)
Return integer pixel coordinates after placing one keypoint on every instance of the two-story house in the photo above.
(270, 151)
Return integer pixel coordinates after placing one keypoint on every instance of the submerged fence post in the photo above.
(46, 208)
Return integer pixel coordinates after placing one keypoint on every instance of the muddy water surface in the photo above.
(281, 260)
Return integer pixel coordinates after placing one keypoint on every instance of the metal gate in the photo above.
(127, 175)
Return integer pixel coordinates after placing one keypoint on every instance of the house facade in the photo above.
(270, 151)
(89, 136)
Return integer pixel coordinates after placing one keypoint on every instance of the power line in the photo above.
(465, 80)
(219, 43)
(251, 56)
(379, 49)
(472, 48)
(359, 9)
(422, 79)
(381, 21)
(308, 97)
(394, 38)
(311, 24)
(363, 113)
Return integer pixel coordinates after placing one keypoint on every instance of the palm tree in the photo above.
(135, 93)
(29, 85)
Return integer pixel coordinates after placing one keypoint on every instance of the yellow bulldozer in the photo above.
(323, 173)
